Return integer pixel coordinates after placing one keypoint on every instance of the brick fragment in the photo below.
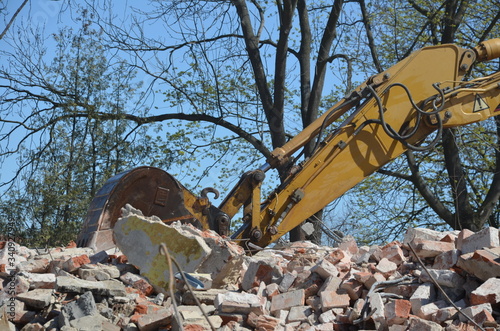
(397, 311)
(155, 321)
(446, 260)
(325, 269)
(393, 253)
(488, 292)
(429, 248)
(472, 311)
(484, 264)
(462, 235)
(448, 278)
(287, 281)
(423, 295)
(74, 263)
(418, 324)
(486, 238)
(386, 267)
(334, 299)
(287, 300)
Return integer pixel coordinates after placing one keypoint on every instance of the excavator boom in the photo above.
(388, 114)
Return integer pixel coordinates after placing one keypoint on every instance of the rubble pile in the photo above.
(454, 284)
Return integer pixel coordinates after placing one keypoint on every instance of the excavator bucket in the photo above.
(149, 189)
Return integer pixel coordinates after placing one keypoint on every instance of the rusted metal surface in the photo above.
(149, 189)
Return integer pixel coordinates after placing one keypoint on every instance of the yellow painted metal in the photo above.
(360, 147)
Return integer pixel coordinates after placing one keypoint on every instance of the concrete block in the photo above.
(285, 301)
(488, 292)
(486, 238)
(140, 237)
(240, 303)
(44, 281)
(35, 266)
(448, 278)
(107, 287)
(83, 306)
(377, 306)
(38, 298)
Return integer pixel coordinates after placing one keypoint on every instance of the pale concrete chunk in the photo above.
(107, 287)
(43, 281)
(488, 292)
(446, 278)
(38, 299)
(140, 237)
(239, 303)
(486, 238)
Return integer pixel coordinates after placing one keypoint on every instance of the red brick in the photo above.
(397, 311)
(430, 248)
(74, 263)
(488, 292)
(287, 300)
(334, 299)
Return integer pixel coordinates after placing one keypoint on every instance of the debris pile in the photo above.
(452, 283)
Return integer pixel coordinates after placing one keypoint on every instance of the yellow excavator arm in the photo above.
(388, 114)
